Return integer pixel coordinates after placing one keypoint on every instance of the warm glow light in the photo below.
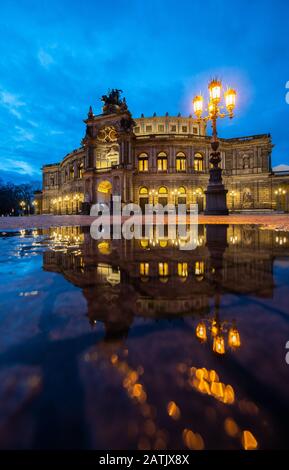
(215, 90)
(219, 345)
(214, 328)
(198, 103)
(234, 338)
(249, 441)
(230, 99)
(201, 331)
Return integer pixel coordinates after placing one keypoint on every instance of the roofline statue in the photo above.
(113, 102)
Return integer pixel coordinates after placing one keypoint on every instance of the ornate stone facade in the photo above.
(158, 159)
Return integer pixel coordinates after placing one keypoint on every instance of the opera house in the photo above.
(158, 160)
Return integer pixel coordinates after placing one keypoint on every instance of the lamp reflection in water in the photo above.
(217, 330)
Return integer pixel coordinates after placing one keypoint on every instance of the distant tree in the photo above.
(15, 199)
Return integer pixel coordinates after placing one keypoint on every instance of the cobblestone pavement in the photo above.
(273, 221)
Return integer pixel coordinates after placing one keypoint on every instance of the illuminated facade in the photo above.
(158, 159)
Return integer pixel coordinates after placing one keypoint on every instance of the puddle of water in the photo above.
(116, 345)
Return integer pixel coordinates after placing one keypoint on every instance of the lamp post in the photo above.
(216, 193)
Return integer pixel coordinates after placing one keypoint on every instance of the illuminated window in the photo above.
(181, 162)
(198, 162)
(173, 128)
(143, 191)
(144, 269)
(161, 128)
(143, 162)
(183, 269)
(199, 268)
(195, 130)
(163, 269)
(162, 161)
(144, 243)
(163, 243)
(149, 128)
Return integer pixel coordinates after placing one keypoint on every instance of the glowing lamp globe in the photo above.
(215, 90)
(219, 345)
(198, 103)
(234, 340)
(201, 331)
(230, 99)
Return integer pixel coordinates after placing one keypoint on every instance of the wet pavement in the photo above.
(138, 344)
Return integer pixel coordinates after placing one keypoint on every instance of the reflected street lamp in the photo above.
(216, 193)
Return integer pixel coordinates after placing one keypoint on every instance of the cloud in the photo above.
(11, 102)
(45, 59)
(23, 135)
(18, 166)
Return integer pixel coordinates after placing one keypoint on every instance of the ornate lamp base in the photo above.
(216, 194)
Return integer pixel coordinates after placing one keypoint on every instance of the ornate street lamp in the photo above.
(216, 193)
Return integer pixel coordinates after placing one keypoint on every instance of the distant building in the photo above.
(158, 159)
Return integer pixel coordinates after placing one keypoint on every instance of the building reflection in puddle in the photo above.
(126, 281)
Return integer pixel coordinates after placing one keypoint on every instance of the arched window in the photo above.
(80, 170)
(143, 162)
(71, 172)
(162, 161)
(198, 162)
(143, 191)
(180, 161)
(163, 191)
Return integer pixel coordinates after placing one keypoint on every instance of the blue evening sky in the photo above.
(58, 57)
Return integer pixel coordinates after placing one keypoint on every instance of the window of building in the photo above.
(162, 161)
(181, 161)
(161, 128)
(195, 130)
(144, 269)
(149, 128)
(71, 172)
(173, 128)
(198, 162)
(184, 128)
(183, 269)
(163, 269)
(199, 267)
(137, 130)
(143, 162)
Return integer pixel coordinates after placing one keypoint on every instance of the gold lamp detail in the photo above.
(201, 331)
(219, 345)
(234, 340)
(198, 104)
(230, 100)
(215, 87)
